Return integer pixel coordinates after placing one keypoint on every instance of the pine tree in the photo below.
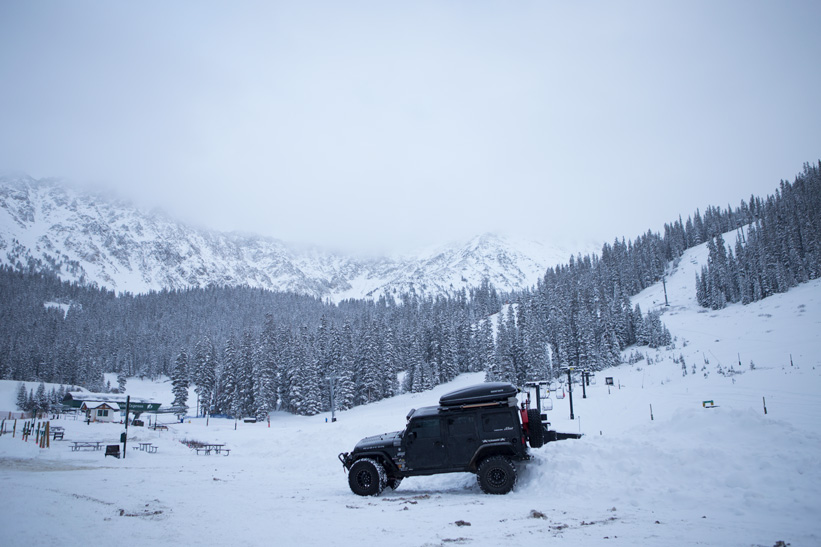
(179, 382)
(41, 399)
(22, 400)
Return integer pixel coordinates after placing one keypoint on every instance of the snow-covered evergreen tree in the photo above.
(22, 399)
(179, 383)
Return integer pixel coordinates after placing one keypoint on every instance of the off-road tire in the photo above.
(535, 429)
(496, 475)
(367, 477)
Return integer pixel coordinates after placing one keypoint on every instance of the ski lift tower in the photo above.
(585, 381)
(569, 371)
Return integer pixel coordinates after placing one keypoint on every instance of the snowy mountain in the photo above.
(47, 225)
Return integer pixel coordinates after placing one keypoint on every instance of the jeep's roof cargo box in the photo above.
(481, 393)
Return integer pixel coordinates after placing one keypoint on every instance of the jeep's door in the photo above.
(424, 448)
(462, 439)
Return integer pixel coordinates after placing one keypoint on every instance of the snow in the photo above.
(729, 475)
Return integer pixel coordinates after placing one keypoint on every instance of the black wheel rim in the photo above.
(497, 477)
(364, 479)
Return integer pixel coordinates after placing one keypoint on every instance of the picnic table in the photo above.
(159, 426)
(93, 445)
(208, 448)
(146, 447)
(57, 432)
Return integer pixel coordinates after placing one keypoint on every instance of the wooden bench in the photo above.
(113, 450)
(160, 426)
(57, 435)
(152, 449)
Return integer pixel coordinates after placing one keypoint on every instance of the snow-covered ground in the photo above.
(728, 475)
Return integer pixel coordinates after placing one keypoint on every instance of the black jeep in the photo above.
(479, 429)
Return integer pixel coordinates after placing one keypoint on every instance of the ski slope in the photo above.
(729, 475)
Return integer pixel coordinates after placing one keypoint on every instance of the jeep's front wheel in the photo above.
(367, 477)
(496, 475)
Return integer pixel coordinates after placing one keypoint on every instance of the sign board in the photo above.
(608, 380)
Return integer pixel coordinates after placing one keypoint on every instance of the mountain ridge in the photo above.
(85, 237)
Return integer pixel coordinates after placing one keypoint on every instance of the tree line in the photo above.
(780, 248)
(249, 351)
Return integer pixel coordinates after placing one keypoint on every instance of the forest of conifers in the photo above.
(250, 351)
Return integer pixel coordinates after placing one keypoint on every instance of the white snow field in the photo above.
(726, 476)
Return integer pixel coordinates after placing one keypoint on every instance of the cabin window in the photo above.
(102, 413)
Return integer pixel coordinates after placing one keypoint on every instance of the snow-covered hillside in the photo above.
(82, 236)
(731, 475)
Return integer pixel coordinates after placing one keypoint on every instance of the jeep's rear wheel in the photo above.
(367, 477)
(535, 429)
(496, 475)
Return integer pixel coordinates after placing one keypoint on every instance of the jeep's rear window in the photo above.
(498, 421)
(426, 427)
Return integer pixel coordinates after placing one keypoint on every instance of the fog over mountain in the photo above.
(46, 225)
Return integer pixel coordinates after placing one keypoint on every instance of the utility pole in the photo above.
(332, 381)
(125, 435)
(664, 284)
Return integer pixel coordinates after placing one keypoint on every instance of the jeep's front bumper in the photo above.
(346, 459)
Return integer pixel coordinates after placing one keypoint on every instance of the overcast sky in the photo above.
(374, 126)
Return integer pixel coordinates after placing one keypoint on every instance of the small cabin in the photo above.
(101, 411)
(75, 399)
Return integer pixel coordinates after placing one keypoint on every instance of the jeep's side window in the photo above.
(426, 428)
(461, 426)
(497, 421)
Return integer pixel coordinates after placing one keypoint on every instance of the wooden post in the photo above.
(651, 413)
(765, 404)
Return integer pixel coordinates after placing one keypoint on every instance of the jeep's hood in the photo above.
(378, 441)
